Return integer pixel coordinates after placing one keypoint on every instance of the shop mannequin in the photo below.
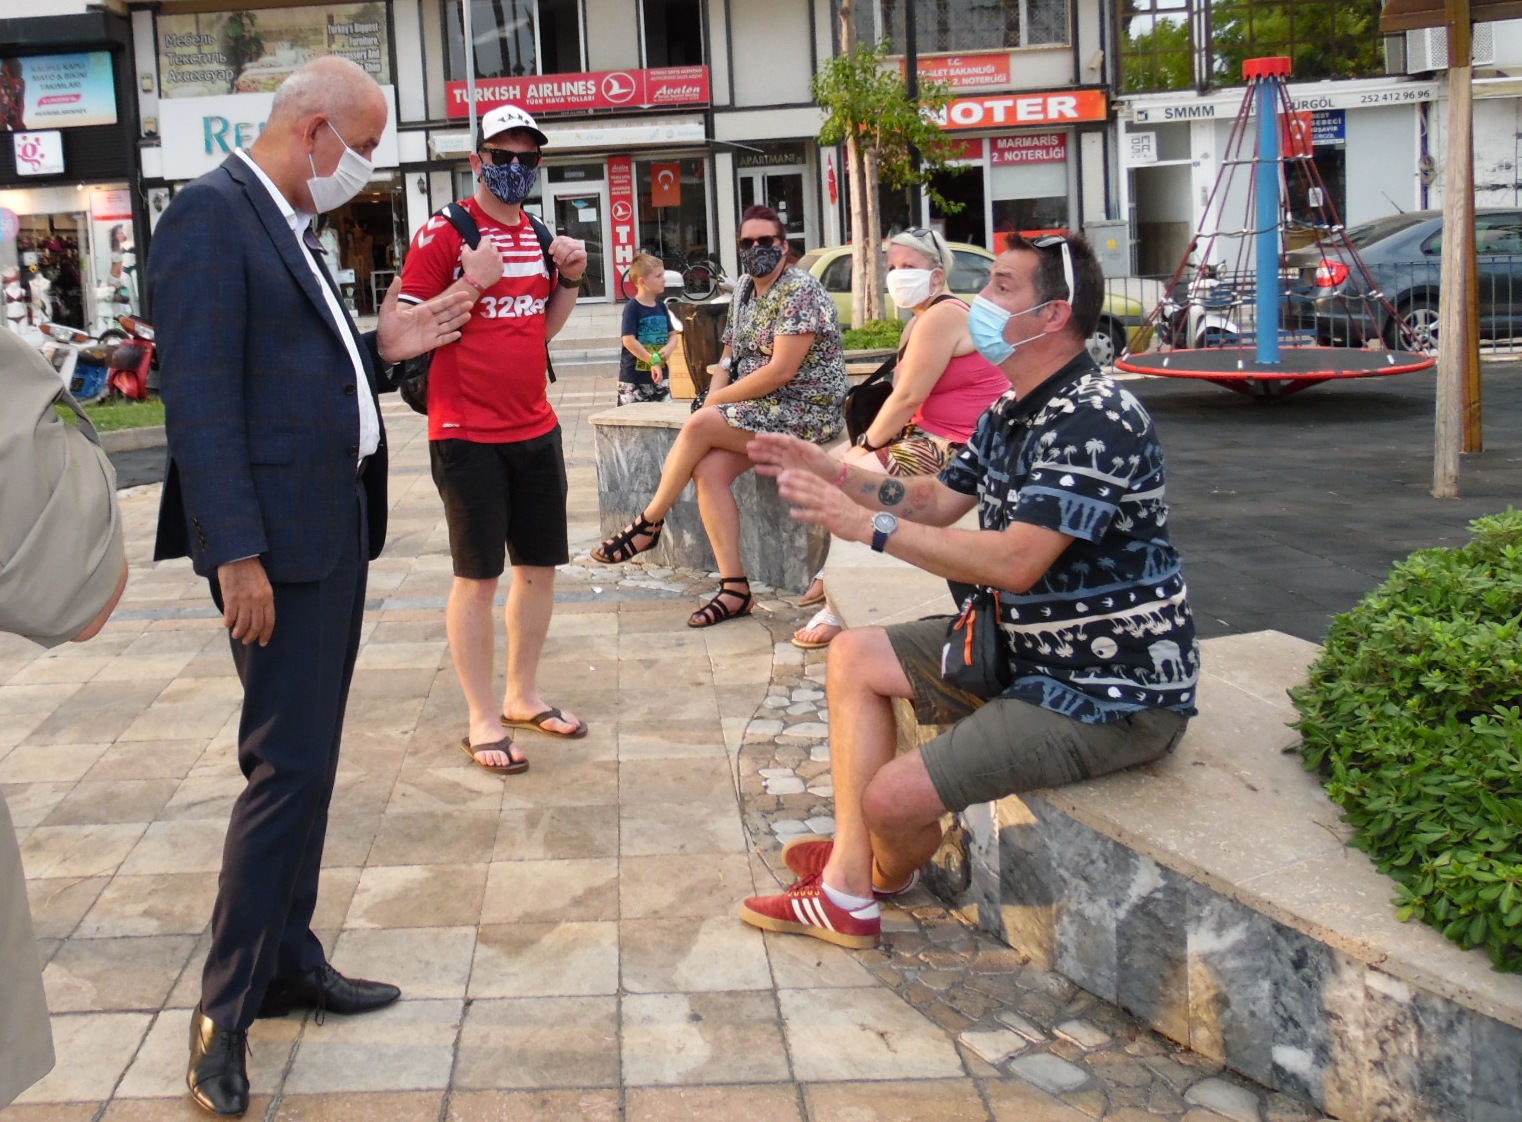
(42, 298)
(15, 300)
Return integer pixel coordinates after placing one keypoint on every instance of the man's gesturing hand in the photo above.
(823, 504)
(407, 330)
(248, 601)
(776, 452)
(482, 265)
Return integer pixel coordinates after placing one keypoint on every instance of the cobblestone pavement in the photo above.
(566, 940)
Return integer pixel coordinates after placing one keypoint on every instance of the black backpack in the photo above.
(411, 376)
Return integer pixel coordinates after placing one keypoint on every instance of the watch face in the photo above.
(884, 523)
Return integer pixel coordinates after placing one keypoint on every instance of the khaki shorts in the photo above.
(1003, 746)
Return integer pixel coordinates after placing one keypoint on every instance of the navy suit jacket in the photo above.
(260, 397)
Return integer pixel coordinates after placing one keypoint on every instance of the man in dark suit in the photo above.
(276, 489)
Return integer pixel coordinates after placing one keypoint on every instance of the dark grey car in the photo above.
(1403, 254)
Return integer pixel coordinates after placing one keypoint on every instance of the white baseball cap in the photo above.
(505, 117)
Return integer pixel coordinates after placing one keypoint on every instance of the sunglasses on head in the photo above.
(765, 241)
(501, 157)
(1054, 241)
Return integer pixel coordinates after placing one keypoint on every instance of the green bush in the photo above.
(1413, 716)
(874, 334)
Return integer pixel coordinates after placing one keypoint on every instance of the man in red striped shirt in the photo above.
(494, 440)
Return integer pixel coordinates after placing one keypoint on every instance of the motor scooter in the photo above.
(79, 359)
(1202, 315)
(132, 360)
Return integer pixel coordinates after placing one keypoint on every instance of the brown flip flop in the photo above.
(539, 723)
(505, 746)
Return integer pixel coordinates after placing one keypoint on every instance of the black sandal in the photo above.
(620, 547)
(717, 611)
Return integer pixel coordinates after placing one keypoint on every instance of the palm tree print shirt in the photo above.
(1106, 632)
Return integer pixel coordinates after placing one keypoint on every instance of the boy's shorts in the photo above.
(502, 499)
(1004, 746)
(631, 392)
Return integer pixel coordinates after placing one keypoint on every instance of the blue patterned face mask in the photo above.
(986, 322)
(511, 183)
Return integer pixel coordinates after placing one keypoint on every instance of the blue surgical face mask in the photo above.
(510, 183)
(986, 322)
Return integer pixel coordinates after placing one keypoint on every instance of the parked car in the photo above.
(969, 276)
(1403, 253)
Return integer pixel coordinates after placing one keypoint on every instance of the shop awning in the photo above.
(1411, 15)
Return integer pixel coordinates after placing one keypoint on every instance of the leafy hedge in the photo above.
(1413, 716)
(873, 334)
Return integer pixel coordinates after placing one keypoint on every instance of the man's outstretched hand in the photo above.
(776, 452)
(821, 503)
(407, 330)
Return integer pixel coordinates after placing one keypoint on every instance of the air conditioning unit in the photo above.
(1427, 48)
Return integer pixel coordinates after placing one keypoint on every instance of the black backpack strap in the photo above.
(542, 232)
(463, 221)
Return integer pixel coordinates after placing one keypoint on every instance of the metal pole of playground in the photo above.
(470, 67)
(1261, 72)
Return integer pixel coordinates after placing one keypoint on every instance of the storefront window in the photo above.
(1323, 38)
(673, 210)
(1028, 198)
(673, 32)
(966, 25)
(516, 37)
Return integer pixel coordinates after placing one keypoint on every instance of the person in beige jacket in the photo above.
(62, 570)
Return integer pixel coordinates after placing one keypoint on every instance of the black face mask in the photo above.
(761, 261)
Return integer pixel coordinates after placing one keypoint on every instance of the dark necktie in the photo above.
(311, 241)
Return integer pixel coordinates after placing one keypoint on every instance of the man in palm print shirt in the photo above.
(1066, 474)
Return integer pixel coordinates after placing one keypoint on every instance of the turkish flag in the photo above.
(1299, 135)
(666, 184)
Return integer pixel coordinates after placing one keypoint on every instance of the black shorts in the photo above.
(502, 499)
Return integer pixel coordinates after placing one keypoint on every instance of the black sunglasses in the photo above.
(502, 157)
(765, 241)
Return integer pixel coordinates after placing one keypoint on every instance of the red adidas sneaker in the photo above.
(807, 855)
(804, 909)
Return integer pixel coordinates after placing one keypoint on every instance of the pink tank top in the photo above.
(967, 387)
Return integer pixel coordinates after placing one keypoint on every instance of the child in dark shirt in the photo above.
(646, 335)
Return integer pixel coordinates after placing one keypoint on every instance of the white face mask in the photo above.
(329, 192)
(910, 288)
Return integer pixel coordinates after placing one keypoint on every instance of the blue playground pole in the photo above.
(1264, 70)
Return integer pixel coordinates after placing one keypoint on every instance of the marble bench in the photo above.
(1214, 896)
(632, 442)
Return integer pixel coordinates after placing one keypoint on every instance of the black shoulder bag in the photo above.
(410, 377)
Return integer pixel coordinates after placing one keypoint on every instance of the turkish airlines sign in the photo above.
(1054, 107)
(602, 89)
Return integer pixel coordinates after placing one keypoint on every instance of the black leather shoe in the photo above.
(218, 1074)
(326, 990)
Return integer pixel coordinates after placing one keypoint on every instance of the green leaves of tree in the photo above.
(1413, 716)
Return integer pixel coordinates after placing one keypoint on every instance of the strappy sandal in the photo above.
(620, 547)
(717, 611)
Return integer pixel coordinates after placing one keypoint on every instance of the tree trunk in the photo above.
(855, 185)
(871, 241)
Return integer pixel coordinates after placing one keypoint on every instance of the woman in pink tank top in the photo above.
(941, 386)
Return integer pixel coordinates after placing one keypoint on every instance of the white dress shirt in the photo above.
(369, 422)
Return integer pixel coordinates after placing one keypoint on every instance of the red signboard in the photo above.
(962, 72)
(969, 148)
(666, 86)
(1054, 107)
(1028, 148)
(621, 206)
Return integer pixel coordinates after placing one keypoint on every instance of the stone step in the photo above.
(1213, 895)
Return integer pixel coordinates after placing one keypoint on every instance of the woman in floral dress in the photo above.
(783, 370)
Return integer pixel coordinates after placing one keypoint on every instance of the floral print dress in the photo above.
(809, 406)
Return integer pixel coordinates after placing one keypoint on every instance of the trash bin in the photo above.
(702, 336)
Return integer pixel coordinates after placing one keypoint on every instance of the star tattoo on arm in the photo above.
(891, 493)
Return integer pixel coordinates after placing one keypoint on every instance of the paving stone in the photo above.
(1049, 1073)
(994, 1047)
(1022, 1025)
(1083, 1034)
(1226, 1098)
